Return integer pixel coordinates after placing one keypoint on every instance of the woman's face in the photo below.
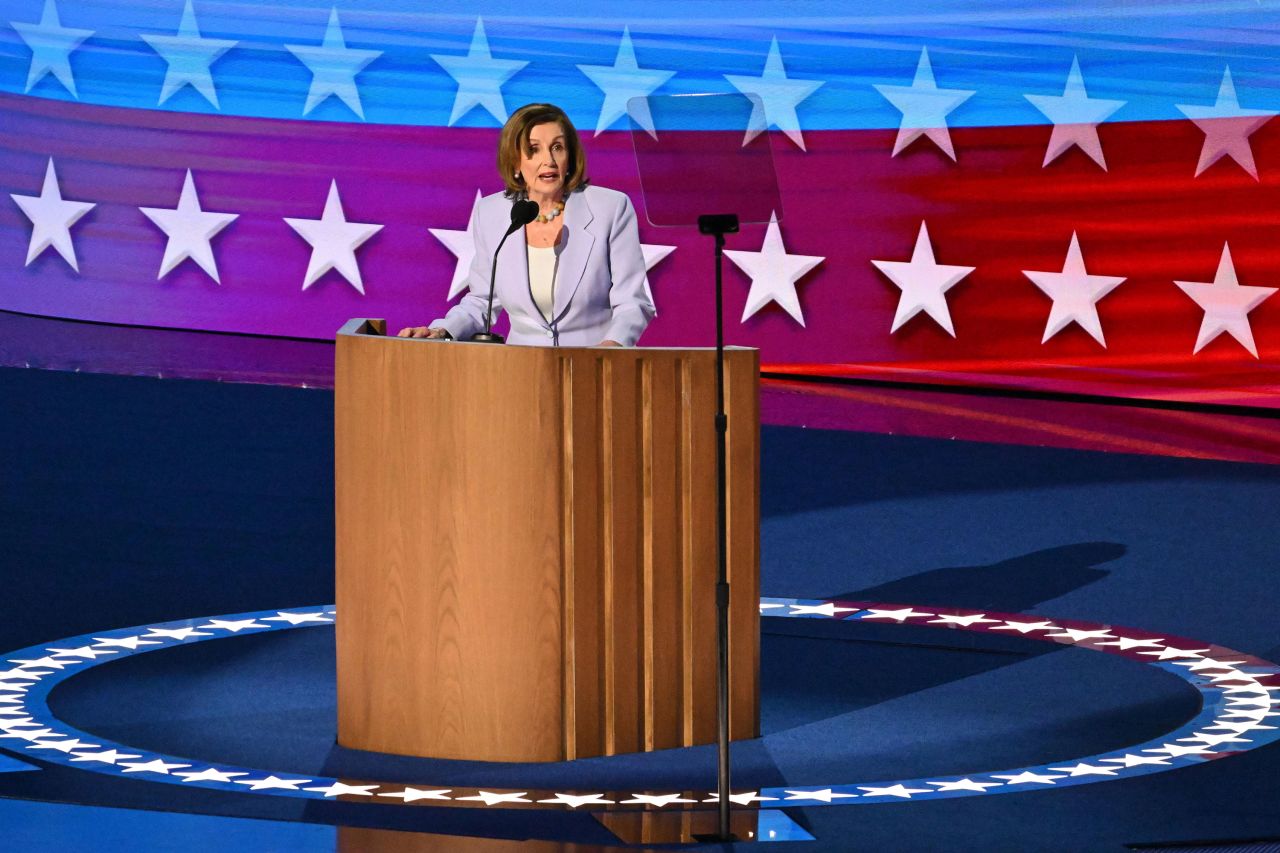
(544, 160)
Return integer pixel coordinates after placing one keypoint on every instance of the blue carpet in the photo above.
(126, 500)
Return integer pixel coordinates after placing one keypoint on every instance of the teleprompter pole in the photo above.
(717, 226)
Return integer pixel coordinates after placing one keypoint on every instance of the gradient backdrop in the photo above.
(1149, 150)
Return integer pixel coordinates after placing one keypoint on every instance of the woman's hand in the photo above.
(607, 343)
(423, 332)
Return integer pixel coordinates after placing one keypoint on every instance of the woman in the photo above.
(572, 277)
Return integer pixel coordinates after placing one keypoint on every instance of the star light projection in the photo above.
(189, 57)
(924, 108)
(623, 81)
(479, 77)
(51, 47)
(779, 96)
(1227, 127)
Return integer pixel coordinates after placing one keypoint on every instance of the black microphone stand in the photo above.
(522, 213)
(718, 225)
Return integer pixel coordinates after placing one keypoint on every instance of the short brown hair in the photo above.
(515, 137)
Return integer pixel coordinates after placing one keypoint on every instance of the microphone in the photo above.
(522, 213)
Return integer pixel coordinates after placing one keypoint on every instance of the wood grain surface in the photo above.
(526, 548)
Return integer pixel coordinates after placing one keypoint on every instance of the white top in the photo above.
(542, 278)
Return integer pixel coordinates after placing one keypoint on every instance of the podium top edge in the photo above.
(357, 329)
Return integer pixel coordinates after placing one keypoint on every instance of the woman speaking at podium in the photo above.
(574, 276)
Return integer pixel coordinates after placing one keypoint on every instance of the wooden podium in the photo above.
(526, 547)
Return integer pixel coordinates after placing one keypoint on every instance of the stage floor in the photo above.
(148, 512)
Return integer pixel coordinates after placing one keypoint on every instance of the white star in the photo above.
(1025, 627)
(967, 621)
(657, 800)
(341, 789)
(652, 255)
(1169, 653)
(124, 642)
(17, 711)
(774, 605)
(893, 791)
(1249, 703)
(1231, 675)
(410, 795)
(272, 782)
(44, 662)
(189, 230)
(1173, 750)
(234, 626)
(87, 652)
(746, 798)
(1127, 643)
(13, 733)
(1027, 778)
(18, 673)
(965, 785)
(1205, 663)
(189, 56)
(924, 108)
(333, 241)
(51, 46)
(479, 77)
(298, 618)
(1075, 294)
(1076, 635)
(779, 96)
(9, 725)
(1083, 769)
(573, 801)
(896, 615)
(489, 798)
(109, 756)
(621, 82)
(1226, 303)
(827, 608)
(826, 795)
(1226, 127)
(1214, 740)
(1137, 760)
(153, 766)
(1241, 728)
(773, 272)
(51, 218)
(463, 246)
(924, 283)
(66, 746)
(175, 633)
(210, 774)
(1075, 118)
(333, 67)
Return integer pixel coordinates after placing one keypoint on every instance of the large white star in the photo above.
(189, 230)
(621, 82)
(333, 241)
(825, 795)
(1075, 294)
(965, 784)
(333, 67)
(479, 77)
(463, 246)
(924, 284)
(652, 254)
(342, 789)
(1075, 118)
(124, 642)
(235, 626)
(51, 46)
(1226, 303)
(774, 273)
(1027, 778)
(657, 800)
(189, 56)
(156, 765)
(779, 96)
(1226, 127)
(51, 218)
(272, 782)
(492, 798)
(924, 108)
(410, 795)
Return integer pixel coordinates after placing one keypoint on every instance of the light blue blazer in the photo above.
(599, 286)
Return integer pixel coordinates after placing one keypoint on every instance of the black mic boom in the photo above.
(522, 213)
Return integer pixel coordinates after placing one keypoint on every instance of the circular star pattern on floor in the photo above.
(1239, 695)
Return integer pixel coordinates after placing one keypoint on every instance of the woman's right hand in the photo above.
(423, 332)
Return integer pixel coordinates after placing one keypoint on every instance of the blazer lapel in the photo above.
(513, 267)
(579, 241)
